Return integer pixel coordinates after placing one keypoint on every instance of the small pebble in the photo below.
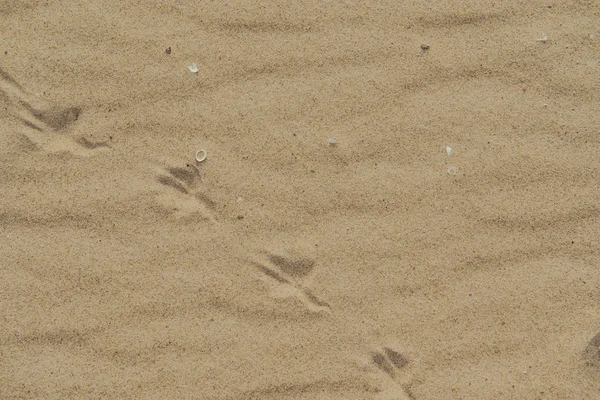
(240, 217)
(424, 46)
(332, 141)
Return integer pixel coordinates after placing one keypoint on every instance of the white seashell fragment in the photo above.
(332, 141)
(193, 68)
(449, 150)
(201, 155)
(452, 170)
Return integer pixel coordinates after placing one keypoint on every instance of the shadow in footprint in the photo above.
(42, 116)
(591, 354)
(54, 117)
(289, 273)
(172, 182)
(299, 267)
(188, 176)
(91, 145)
(186, 181)
(34, 111)
(390, 362)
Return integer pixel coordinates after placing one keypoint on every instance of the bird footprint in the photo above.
(189, 199)
(43, 117)
(390, 362)
(591, 354)
(289, 275)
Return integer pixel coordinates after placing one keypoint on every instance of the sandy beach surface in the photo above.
(446, 246)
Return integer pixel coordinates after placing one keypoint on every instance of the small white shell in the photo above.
(201, 155)
(452, 170)
(449, 150)
(193, 68)
(332, 141)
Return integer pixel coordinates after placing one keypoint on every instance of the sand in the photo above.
(282, 266)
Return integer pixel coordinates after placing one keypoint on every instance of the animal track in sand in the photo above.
(44, 117)
(296, 267)
(289, 274)
(591, 353)
(190, 199)
(390, 362)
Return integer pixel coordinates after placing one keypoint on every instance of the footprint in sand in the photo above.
(184, 196)
(389, 362)
(41, 117)
(290, 273)
(591, 353)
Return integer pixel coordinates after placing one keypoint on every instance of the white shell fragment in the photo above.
(543, 39)
(201, 155)
(193, 68)
(449, 150)
(452, 170)
(332, 141)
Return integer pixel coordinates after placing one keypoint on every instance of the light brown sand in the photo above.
(358, 271)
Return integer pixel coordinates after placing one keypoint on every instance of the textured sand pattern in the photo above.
(283, 267)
